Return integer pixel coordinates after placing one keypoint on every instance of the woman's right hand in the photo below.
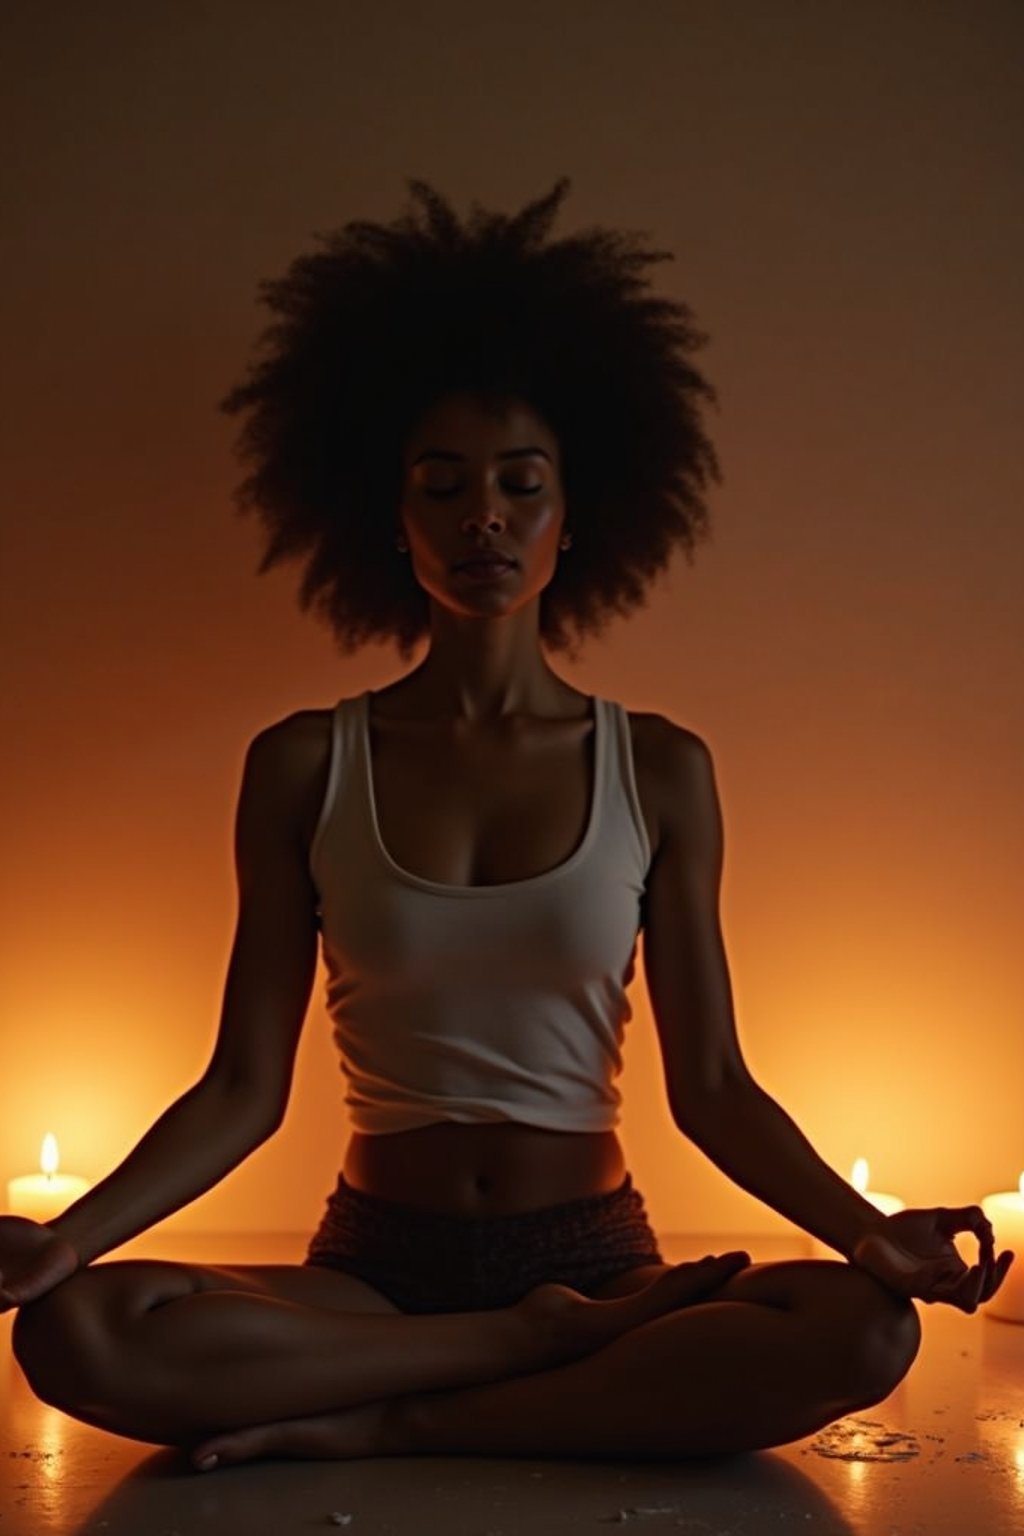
(33, 1259)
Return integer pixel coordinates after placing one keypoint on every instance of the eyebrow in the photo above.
(512, 453)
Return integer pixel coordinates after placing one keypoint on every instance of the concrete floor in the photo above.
(942, 1456)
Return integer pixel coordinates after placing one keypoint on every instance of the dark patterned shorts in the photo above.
(423, 1261)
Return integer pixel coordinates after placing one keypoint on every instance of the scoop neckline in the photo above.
(597, 715)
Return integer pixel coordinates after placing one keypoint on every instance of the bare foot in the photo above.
(570, 1324)
(354, 1432)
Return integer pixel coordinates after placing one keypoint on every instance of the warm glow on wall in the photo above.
(848, 642)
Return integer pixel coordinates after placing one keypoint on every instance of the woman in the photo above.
(477, 846)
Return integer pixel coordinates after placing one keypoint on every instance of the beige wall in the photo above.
(841, 187)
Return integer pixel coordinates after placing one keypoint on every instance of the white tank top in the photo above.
(479, 1003)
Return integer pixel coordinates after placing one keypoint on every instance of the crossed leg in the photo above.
(779, 1351)
(258, 1360)
(165, 1352)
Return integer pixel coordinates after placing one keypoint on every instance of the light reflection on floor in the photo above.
(942, 1456)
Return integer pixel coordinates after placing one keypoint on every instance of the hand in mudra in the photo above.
(33, 1259)
(912, 1253)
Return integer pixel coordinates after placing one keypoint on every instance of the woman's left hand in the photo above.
(912, 1253)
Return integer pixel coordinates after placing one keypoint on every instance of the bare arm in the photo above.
(747, 1133)
(715, 1100)
(241, 1098)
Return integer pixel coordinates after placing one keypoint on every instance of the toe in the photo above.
(332, 1436)
(224, 1450)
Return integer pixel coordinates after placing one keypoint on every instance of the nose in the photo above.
(489, 517)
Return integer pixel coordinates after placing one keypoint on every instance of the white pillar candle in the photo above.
(1005, 1211)
(42, 1196)
(887, 1204)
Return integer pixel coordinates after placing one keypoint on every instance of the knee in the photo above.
(57, 1342)
(889, 1338)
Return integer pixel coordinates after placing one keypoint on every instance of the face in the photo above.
(476, 480)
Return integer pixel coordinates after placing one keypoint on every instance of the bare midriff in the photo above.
(484, 1170)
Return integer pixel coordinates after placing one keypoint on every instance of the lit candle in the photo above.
(887, 1204)
(1006, 1213)
(42, 1196)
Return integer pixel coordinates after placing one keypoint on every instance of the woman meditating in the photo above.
(477, 435)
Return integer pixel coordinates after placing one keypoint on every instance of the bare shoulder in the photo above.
(294, 736)
(661, 736)
(291, 758)
(674, 770)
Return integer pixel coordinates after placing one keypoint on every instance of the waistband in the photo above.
(585, 1208)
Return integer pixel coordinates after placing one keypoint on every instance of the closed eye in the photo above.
(515, 490)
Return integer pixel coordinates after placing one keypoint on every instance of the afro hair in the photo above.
(384, 320)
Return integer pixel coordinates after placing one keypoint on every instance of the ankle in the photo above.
(403, 1425)
(548, 1319)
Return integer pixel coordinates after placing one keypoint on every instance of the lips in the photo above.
(484, 563)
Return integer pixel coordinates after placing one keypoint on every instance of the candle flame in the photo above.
(48, 1157)
(859, 1179)
(1020, 1186)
